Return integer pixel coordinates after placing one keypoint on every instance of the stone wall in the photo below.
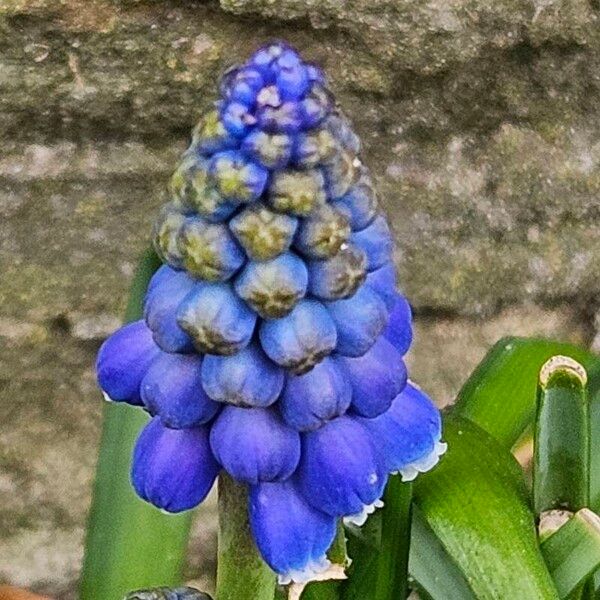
(481, 125)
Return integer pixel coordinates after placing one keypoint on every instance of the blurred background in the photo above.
(481, 124)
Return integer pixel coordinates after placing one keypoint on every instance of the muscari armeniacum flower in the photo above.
(273, 337)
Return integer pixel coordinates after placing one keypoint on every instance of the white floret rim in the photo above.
(360, 518)
(308, 573)
(410, 471)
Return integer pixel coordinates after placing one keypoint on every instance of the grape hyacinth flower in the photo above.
(273, 336)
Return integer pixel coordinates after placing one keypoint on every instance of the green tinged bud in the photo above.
(297, 192)
(262, 233)
(208, 250)
(166, 233)
(322, 234)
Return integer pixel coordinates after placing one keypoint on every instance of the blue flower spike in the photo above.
(274, 336)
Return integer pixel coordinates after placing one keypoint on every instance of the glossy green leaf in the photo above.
(130, 544)
(476, 503)
(432, 571)
(500, 395)
(241, 572)
(561, 462)
(379, 569)
(572, 552)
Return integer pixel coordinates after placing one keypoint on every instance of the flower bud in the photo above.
(340, 174)
(208, 250)
(123, 361)
(342, 131)
(237, 118)
(383, 282)
(314, 147)
(236, 178)
(315, 106)
(210, 135)
(338, 277)
(272, 288)
(173, 469)
(263, 234)
(192, 190)
(172, 389)
(310, 400)
(359, 204)
(242, 85)
(301, 339)
(282, 118)
(297, 192)
(253, 444)
(399, 327)
(376, 378)
(377, 243)
(165, 293)
(217, 320)
(292, 80)
(265, 60)
(247, 378)
(359, 321)
(322, 234)
(167, 230)
(271, 150)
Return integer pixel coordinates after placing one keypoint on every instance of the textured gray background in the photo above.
(481, 124)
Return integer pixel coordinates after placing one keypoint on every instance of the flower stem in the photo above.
(241, 572)
(562, 437)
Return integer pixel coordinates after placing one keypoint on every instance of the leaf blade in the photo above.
(500, 394)
(431, 568)
(572, 552)
(476, 503)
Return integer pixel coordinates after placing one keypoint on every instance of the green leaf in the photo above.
(476, 503)
(561, 462)
(572, 552)
(379, 571)
(241, 572)
(500, 394)
(129, 544)
(432, 570)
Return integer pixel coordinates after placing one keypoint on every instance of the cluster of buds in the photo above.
(273, 339)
